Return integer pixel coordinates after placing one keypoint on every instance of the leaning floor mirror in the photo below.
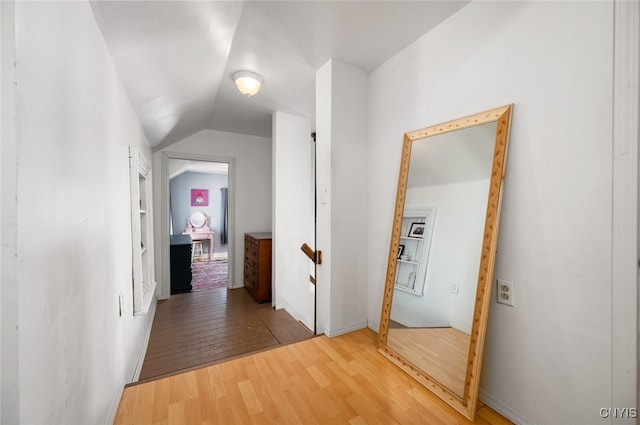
(442, 253)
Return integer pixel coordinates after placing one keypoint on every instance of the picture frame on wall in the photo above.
(199, 197)
(417, 230)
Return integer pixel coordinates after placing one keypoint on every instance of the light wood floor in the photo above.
(341, 380)
(440, 352)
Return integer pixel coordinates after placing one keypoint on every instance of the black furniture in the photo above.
(180, 260)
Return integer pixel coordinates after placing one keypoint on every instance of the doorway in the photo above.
(219, 331)
(198, 207)
(196, 184)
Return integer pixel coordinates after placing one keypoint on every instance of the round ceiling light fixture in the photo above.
(247, 82)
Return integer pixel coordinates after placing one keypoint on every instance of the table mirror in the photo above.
(197, 219)
(442, 253)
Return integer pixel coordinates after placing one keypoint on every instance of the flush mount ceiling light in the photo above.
(247, 82)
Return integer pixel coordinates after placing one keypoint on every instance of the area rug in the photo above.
(209, 275)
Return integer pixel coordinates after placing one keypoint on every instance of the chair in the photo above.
(197, 252)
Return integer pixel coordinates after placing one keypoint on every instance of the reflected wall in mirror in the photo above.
(441, 259)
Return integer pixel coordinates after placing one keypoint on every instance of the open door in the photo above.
(293, 217)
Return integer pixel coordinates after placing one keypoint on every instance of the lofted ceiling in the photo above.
(175, 58)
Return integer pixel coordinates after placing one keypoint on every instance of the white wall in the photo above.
(293, 216)
(341, 146)
(252, 191)
(554, 61)
(9, 397)
(3, 48)
(72, 242)
(454, 257)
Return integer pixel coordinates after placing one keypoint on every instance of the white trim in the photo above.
(503, 409)
(404, 322)
(164, 286)
(163, 290)
(143, 267)
(373, 325)
(147, 337)
(624, 255)
(341, 331)
(10, 387)
(115, 401)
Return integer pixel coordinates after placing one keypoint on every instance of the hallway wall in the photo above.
(66, 351)
(543, 355)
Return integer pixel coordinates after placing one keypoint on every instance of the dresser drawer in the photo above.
(257, 265)
(250, 275)
(251, 250)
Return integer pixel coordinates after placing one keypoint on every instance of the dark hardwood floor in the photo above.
(201, 328)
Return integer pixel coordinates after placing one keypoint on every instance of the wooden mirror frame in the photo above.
(468, 403)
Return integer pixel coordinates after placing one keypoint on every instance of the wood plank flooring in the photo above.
(200, 328)
(341, 380)
(441, 352)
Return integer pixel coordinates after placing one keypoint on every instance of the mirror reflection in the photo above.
(442, 252)
(435, 289)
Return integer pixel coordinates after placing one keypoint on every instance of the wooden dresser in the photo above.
(257, 265)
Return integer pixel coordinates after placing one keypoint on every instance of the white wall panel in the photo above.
(555, 235)
(73, 253)
(341, 146)
(293, 216)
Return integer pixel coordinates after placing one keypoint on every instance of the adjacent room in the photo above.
(199, 209)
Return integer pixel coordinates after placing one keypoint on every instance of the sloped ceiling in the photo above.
(176, 58)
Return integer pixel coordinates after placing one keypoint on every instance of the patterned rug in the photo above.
(209, 275)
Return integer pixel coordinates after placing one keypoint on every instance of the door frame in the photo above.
(625, 249)
(164, 271)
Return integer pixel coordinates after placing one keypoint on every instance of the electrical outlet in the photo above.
(505, 293)
(455, 288)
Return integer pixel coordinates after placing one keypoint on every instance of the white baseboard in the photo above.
(404, 322)
(147, 336)
(374, 326)
(505, 411)
(115, 401)
(346, 329)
